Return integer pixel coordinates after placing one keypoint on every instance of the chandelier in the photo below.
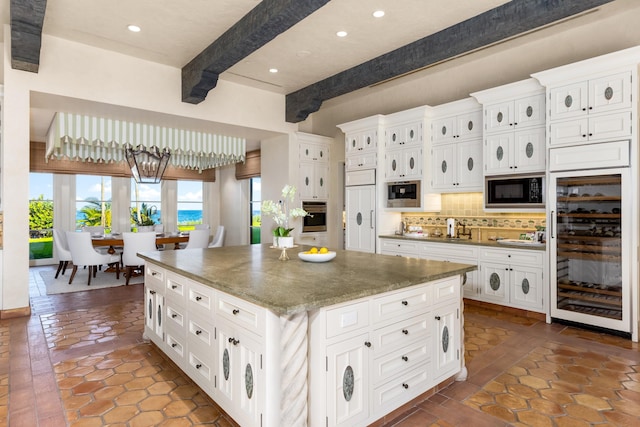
(147, 165)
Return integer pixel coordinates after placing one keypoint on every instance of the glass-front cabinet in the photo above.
(589, 248)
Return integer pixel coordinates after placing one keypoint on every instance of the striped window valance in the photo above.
(98, 139)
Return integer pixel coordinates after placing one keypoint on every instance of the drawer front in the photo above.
(451, 252)
(400, 246)
(447, 290)
(534, 258)
(402, 388)
(400, 334)
(201, 369)
(401, 304)
(176, 346)
(242, 313)
(154, 276)
(200, 331)
(200, 299)
(401, 360)
(175, 316)
(494, 255)
(347, 318)
(176, 287)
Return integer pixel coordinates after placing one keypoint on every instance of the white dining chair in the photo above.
(218, 238)
(133, 244)
(83, 254)
(62, 250)
(198, 239)
(202, 226)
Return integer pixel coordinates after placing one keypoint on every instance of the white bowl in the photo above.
(317, 257)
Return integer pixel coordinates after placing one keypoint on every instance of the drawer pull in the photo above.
(404, 331)
(367, 344)
(198, 366)
(174, 345)
(405, 385)
(234, 341)
(198, 298)
(174, 286)
(154, 273)
(405, 358)
(198, 332)
(437, 317)
(405, 302)
(152, 292)
(173, 315)
(235, 311)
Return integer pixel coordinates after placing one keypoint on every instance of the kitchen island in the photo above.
(297, 343)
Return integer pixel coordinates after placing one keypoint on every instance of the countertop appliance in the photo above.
(404, 194)
(514, 192)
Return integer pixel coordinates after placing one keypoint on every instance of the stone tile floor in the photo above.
(80, 360)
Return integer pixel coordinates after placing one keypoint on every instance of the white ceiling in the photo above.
(174, 31)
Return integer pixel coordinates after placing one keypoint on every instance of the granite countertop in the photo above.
(462, 241)
(254, 273)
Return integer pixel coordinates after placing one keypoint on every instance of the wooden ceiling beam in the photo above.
(27, 17)
(511, 19)
(258, 27)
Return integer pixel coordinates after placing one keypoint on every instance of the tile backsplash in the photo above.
(469, 209)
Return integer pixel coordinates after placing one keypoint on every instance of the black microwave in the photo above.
(514, 192)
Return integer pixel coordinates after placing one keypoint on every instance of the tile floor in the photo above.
(79, 360)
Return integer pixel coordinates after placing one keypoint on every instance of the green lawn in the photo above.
(41, 248)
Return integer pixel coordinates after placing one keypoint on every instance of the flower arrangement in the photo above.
(281, 211)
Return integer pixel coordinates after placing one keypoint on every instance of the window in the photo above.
(189, 204)
(145, 204)
(40, 215)
(93, 201)
(255, 200)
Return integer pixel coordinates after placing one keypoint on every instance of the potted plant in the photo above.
(282, 213)
(143, 217)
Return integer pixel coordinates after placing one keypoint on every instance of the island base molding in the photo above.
(15, 312)
(501, 308)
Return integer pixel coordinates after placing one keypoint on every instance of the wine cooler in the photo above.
(589, 247)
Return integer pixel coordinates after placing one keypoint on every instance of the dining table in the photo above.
(116, 240)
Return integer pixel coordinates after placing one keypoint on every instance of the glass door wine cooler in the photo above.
(589, 248)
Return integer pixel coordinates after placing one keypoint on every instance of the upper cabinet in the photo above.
(456, 146)
(514, 128)
(313, 173)
(404, 143)
(591, 101)
(361, 143)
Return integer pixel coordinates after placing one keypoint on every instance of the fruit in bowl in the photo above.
(317, 255)
(315, 250)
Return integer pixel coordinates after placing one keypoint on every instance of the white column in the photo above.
(293, 365)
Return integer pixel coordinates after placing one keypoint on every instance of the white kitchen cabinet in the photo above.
(514, 128)
(360, 204)
(361, 161)
(201, 351)
(457, 167)
(363, 141)
(515, 152)
(399, 247)
(314, 168)
(403, 164)
(513, 277)
(154, 305)
(446, 354)
(318, 239)
(314, 152)
(239, 373)
(465, 125)
(463, 254)
(593, 129)
(405, 134)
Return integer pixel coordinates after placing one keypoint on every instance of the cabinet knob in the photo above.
(174, 345)
(405, 303)
(234, 341)
(367, 344)
(198, 366)
(154, 273)
(584, 109)
(405, 385)
(152, 292)
(590, 134)
(590, 108)
(404, 331)
(198, 298)
(584, 135)
(174, 286)
(235, 311)
(173, 316)
(437, 317)
(198, 332)
(405, 358)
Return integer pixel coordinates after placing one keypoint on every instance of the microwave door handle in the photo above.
(371, 219)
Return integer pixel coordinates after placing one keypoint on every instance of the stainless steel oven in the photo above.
(317, 218)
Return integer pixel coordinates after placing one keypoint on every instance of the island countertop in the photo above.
(254, 273)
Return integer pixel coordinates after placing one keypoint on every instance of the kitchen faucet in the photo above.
(465, 232)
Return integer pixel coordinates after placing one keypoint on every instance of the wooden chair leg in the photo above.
(128, 274)
(92, 271)
(73, 273)
(118, 270)
(64, 268)
(59, 268)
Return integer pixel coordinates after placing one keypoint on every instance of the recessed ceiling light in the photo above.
(378, 13)
(273, 70)
(134, 28)
(341, 34)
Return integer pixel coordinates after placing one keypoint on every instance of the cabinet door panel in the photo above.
(568, 132)
(610, 126)
(568, 101)
(526, 287)
(412, 162)
(494, 282)
(610, 93)
(322, 182)
(497, 153)
(393, 168)
(307, 180)
(447, 354)
(499, 116)
(360, 218)
(529, 150)
(348, 382)
(469, 165)
(443, 166)
(249, 376)
(530, 111)
(443, 130)
(469, 125)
